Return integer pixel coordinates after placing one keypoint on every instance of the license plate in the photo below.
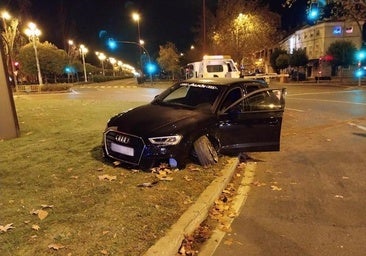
(122, 149)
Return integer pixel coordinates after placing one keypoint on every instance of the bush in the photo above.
(55, 87)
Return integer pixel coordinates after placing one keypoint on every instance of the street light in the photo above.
(113, 61)
(136, 17)
(101, 56)
(33, 33)
(83, 51)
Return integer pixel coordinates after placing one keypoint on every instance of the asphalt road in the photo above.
(309, 198)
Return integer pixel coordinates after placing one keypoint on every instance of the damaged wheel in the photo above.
(206, 152)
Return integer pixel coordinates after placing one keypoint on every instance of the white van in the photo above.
(213, 66)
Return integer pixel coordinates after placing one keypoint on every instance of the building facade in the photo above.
(315, 40)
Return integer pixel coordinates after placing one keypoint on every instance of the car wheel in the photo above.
(206, 152)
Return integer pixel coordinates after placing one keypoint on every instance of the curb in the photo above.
(169, 244)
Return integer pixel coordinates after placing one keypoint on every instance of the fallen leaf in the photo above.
(44, 206)
(164, 177)
(228, 241)
(116, 163)
(275, 188)
(104, 252)
(258, 184)
(5, 228)
(187, 178)
(147, 184)
(55, 247)
(107, 177)
(35, 227)
(42, 214)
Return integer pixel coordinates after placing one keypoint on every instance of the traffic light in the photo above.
(112, 44)
(313, 12)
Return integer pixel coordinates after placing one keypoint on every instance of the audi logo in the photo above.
(122, 139)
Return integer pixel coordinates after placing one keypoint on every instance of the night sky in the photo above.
(91, 22)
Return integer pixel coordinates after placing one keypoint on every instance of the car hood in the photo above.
(158, 120)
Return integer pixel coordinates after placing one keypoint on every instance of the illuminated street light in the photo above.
(83, 52)
(101, 56)
(33, 34)
(136, 17)
(113, 61)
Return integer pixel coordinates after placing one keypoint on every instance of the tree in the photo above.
(169, 59)
(343, 53)
(298, 59)
(240, 28)
(9, 36)
(51, 59)
(283, 61)
(273, 59)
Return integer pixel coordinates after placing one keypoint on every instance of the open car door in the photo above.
(252, 123)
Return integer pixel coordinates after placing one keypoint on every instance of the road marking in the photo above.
(294, 109)
(74, 92)
(333, 101)
(358, 126)
(317, 93)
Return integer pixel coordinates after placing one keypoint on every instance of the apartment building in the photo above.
(316, 40)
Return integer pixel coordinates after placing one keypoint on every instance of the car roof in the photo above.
(222, 81)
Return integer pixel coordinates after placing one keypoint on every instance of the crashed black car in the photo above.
(198, 119)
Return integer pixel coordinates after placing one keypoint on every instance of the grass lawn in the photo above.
(59, 197)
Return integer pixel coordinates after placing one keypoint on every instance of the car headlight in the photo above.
(166, 140)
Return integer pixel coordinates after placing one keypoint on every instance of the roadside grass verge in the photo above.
(62, 198)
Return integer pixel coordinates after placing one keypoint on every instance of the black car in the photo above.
(198, 119)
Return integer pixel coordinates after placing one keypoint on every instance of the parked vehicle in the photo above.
(198, 119)
(213, 66)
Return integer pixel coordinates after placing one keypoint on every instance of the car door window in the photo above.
(264, 100)
(231, 97)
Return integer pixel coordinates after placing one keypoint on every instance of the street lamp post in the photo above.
(113, 61)
(101, 56)
(33, 33)
(69, 55)
(83, 51)
(136, 17)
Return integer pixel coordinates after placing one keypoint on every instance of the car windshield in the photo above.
(191, 95)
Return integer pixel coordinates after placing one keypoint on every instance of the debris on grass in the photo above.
(107, 177)
(56, 247)
(4, 229)
(148, 184)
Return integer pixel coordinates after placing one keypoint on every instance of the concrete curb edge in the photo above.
(194, 216)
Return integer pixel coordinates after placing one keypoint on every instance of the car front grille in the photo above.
(124, 147)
